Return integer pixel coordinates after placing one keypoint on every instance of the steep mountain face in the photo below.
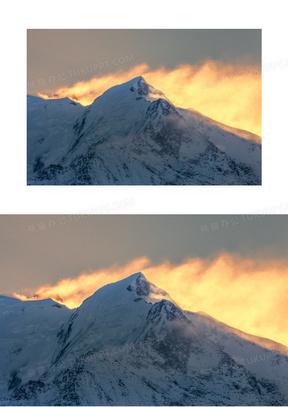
(131, 344)
(133, 135)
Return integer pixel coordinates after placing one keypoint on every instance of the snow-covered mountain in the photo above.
(131, 344)
(133, 135)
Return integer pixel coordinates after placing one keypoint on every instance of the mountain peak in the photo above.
(144, 90)
(141, 86)
(143, 289)
(125, 292)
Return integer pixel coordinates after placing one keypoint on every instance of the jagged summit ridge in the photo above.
(143, 289)
(135, 287)
(143, 89)
(141, 86)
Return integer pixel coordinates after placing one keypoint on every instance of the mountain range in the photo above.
(133, 135)
(130, 343)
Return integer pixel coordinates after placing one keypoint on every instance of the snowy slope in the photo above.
(133, 135)
(130, 344)
(231, 141)
(49, 125)
(265, 359)
(27, 338)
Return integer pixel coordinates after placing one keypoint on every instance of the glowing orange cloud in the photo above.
(85, 92)
(230, 94)
(247, 294)
(73, 291)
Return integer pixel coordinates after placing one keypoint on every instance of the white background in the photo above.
(18, 198)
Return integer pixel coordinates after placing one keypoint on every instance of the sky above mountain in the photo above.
(234, 268)
(217, 72)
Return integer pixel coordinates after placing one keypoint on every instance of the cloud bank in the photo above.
(248, 294)
(230, 94)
